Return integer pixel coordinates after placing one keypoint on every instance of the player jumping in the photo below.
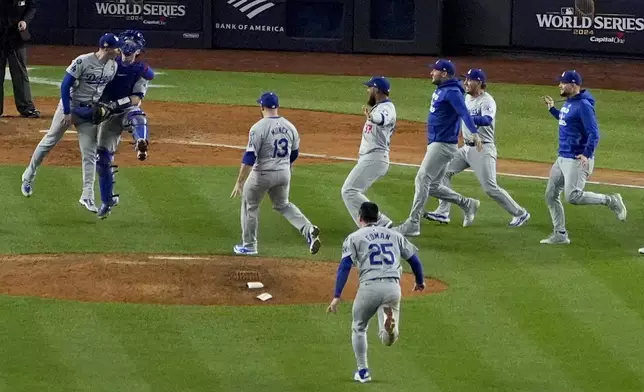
(374, 148)
(482, 107)
(273, 146)
(84, 82)
(123, 97)
(376, 252)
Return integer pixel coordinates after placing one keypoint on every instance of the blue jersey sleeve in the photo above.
(342, 276)
(65, 92)
(458, 103)
(555, 112)
(148, 73)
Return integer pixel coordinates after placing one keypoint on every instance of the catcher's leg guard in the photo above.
(105, 171)
(139, 125)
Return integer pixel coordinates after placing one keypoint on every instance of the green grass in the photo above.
(525, 129)
(518, 316)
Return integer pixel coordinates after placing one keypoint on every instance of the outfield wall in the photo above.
(423, 27)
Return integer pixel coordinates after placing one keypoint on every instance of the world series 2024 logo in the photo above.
(583, 19)
(148, 12)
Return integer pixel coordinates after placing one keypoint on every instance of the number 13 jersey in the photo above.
(272, 139)
(376, 252)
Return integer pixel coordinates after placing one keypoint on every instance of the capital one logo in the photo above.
(251, 8)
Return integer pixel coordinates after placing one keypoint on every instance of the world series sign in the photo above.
(615, 26)
(141, 14)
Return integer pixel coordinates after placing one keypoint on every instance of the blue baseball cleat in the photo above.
(362, 376)
(106, 209)
(519, 220)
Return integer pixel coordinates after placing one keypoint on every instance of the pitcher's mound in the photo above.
(203, 280)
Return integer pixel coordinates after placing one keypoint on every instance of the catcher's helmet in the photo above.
(133, 40)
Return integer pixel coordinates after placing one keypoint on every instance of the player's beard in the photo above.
(372, 100)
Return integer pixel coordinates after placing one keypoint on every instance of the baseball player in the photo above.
(84, 82)
(578, 138)
(273, 146)
(122, 97)
(443, 124)
(376, 252)
(482, 107)
(373, 162)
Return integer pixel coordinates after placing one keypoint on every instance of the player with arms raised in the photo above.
(374, 148)
(123, 97)
(273, 146)
(376, 252)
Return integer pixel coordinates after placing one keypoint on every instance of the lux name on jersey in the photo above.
(376, 236)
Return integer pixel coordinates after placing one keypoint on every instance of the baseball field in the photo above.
(152, 298)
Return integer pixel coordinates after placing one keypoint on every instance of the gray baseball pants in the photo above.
(276, 184)
(372, 296)
(361, 177)
(87, 139)
(570, 175)
(429, 180)
(483, 165)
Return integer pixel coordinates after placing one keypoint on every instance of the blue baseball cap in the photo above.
(444, 66)
(475, 74)
(109, 40)
(269, 100)
(379, 82)
(571, 77)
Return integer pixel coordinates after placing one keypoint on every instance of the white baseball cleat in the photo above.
(617, 205)
(641, 251)
(390, 322)
(436, 217)
(470, 212)
(408, 228)
(519, 220)
(89, 204)
(243, 250)
(556, 238)
(362, 376)
(313, 238)
(25, 188)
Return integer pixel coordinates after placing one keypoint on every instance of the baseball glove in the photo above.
(100, 112)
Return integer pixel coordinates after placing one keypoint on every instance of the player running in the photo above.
(84, 82)
(273, 146)
(123, 97)
(578, 138)
(374, 148)
(376, 252)
(445, 114)
(482, 108)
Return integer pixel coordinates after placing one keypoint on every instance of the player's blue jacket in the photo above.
(446, 111)
(126, 77)
(578, 130)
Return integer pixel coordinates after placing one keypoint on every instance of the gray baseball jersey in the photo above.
(376, 252)
(376, 133)
(483, 105)
(91, 77)
(272, 139)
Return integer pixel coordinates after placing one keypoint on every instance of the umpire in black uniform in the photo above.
(15, 17)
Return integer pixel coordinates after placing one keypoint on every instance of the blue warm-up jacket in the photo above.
(446, 111)
(578, 130)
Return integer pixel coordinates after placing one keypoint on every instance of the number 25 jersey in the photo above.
(272, 139)
(377, 251)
